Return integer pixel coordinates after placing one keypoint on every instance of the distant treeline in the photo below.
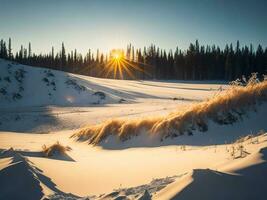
(198, 62)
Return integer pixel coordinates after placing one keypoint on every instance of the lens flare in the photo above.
(120, 67)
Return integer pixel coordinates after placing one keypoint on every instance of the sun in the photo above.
(117, 55)
(119, 66)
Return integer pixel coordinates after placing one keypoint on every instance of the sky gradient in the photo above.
(111, 24)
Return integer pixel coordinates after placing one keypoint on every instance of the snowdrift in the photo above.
(21, 179)
(227, 107)
(244, 180)
(22, 85)
(19, 176)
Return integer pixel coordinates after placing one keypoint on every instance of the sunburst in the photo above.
(119, 66)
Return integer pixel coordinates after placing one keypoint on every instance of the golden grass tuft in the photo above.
(55, 149)
(224, 108)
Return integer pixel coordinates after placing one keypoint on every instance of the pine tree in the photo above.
(25, 55)
(259, 67)
(10, 56)
(63, 57)
(4, 50)
(21, 54)
(1, 48)
(29, 51)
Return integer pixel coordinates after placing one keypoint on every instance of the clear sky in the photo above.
(107, 24)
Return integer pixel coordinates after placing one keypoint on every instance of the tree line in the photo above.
(198, 62)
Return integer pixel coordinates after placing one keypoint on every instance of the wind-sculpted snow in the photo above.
(227, 107)
(24, 179)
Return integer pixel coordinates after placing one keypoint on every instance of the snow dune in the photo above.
(227, 107)
(242, 179)
(19, 174)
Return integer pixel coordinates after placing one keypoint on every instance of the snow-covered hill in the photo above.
(22, 85)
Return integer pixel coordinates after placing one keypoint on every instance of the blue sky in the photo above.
(107, 24)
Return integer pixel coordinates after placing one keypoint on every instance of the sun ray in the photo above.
(120, 67)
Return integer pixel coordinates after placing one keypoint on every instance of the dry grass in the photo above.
(225, 108)
(55, 149)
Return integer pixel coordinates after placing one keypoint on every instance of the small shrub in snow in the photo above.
(232, 151)
(16, 96)
(46, 80)
(7, 79)
(241, 150)
(19, 75)
(237, 149)
(75, 85)
(189, 132)
(3, 91)
(183, 147)
(226, 148)
(17, 118)
(101, 95)
(54, 85)
(55, 149)
(70, 82)
(122, 100)
(21, 88)
(49, 73)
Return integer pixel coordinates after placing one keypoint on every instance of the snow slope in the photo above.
(22, 86)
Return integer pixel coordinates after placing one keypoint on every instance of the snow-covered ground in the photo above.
(79, 100)
(206, 165)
